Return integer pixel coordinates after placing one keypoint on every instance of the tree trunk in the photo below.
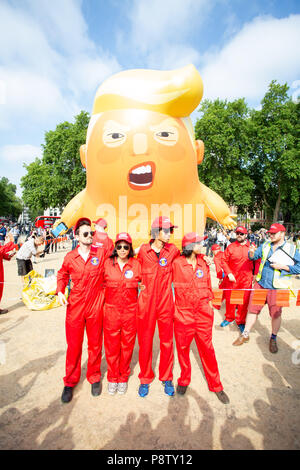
(277, 206)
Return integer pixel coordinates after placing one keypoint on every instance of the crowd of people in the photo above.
(118, 292)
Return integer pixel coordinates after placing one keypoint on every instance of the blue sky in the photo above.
(54, 55)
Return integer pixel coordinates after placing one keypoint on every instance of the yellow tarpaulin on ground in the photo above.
(39, 292)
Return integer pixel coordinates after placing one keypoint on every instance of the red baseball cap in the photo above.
(215, 247)
(192, 237)
(241, 229)
(123, 236)
(276, 228)
(101, 222)
(163, 222)
(88, 222)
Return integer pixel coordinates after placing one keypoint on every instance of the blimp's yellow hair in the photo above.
(175, 93)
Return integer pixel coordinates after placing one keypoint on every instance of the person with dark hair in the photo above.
(84, 267)
(156, 305)
(194, 315)
(122, 275)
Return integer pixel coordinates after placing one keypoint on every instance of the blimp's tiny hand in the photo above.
(228, 221)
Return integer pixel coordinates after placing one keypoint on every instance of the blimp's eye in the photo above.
(166, 136)
(114, 139)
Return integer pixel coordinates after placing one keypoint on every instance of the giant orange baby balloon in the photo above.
(141, 157)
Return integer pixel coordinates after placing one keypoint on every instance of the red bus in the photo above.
(45, 221)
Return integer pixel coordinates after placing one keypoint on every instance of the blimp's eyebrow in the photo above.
(165, 123)
(115, 125)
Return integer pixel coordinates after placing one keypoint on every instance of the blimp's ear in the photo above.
(199, 151)
(83, 155)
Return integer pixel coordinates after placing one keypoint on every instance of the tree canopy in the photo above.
(252, 156)
(58, 176)
(10, 204)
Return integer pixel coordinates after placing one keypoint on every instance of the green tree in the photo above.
(275, 165)
(58, 176)
(10, 204)
(224, 129)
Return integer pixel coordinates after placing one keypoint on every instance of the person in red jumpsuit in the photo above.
(194, 315)
(218, 256)
(238, 271)
(6, 252)
(84, 308)
(156, 305)
(122, 274)
(101, 239)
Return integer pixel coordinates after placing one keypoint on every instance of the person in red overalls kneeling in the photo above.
(122, 274)
(156, 304)
(194, 315)
(84, 267)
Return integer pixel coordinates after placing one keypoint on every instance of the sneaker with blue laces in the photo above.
(226, 322)
(241, 327)
(143, 390)
(169, 388)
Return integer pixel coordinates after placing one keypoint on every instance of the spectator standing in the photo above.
(3, 232)
(272, 275)
(211, 239)
(7, 251)
(238, 271)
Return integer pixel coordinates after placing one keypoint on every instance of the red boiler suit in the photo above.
(4, 250)
(236, 261)
(194, 319)
(84, 310)
(102, 240)
(219, 271)
(156, 304)
(120, 316)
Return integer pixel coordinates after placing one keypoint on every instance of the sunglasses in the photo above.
(86, 234)
(125, 247)
(168, 230)
(241, 233)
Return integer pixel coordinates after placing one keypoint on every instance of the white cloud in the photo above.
(47, 60)
(160, 31)
(20, 153)
(264, 50)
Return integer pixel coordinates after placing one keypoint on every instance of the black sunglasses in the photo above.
(86, 234)
(126, 247)
(168, 230)
(241, 233)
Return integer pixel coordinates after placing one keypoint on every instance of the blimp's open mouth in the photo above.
(141, 176)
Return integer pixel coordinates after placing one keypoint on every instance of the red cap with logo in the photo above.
(123, 236)
(192, 237)
(215, 247)
(163, 222)
(88, 222)
(241, 229)
(101, 222)
(276, 228)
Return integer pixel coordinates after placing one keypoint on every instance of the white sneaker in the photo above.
(122, 387)
(112, 388)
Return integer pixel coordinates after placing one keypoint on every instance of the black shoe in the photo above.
(96, 389)
(222, 397)
(181, 389)
(67, 394)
